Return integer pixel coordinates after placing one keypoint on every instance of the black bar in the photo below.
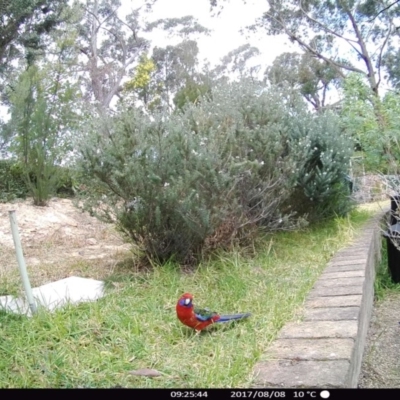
(394, 206)
(214, 394)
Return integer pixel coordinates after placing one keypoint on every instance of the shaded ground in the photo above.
(58, 241)
(381, 361)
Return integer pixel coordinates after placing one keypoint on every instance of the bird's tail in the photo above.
(232, 317)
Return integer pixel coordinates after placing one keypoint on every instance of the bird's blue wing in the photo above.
(204, 314)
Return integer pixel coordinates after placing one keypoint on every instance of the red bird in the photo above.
(199, 319)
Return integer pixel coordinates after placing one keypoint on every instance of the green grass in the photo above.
(383, 285)
(135, 326)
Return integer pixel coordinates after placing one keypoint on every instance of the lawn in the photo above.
(134, 326)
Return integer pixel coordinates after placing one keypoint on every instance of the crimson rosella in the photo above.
(199, 319)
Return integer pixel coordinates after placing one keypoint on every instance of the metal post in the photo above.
(21, 262)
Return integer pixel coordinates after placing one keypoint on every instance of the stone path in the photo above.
(325, 349)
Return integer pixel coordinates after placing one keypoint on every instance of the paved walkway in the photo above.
(325, 349)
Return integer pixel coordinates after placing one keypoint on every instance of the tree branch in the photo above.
(128, 26)
(379, 63)
(338, 66)
(385, 9)
(365, 56)
(325, 28)
(122, 43)
(95, 15)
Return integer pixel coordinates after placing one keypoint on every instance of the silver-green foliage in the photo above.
(213, 172)
(323, 152)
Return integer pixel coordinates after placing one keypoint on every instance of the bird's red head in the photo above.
(186, 300)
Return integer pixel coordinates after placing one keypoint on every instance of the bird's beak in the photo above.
(187, 301)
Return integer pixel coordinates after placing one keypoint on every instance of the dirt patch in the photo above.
(381, 361)
(58, 241)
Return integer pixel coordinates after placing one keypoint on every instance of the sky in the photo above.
(225, 35)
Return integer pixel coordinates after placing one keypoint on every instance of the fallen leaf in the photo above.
(151, 373)
(91, 241)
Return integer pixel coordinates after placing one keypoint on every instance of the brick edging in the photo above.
(325, 349)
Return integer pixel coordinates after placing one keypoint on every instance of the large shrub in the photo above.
(308, 153)
(162, 190)
(214, 172)
(247, 128)
(322, 152)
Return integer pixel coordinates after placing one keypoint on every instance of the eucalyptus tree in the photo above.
(311, 77)
(237, 63)
(169, 71)
(111, 45)
(183, 27)
(392, 64)
(176, 66)
(348, 35)
(30, 31)
(24, 25)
